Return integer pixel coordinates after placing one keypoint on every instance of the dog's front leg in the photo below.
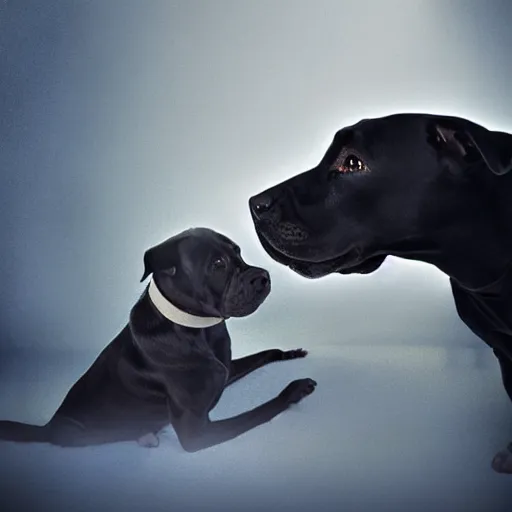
(241, 367)
(502, 462)
(196, 431)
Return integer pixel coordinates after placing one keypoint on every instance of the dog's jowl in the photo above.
(431, 188)
(172, 361)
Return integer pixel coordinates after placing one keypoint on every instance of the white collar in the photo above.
(176, 315)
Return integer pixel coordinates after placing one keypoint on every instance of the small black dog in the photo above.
(172, 361)
(431, 188)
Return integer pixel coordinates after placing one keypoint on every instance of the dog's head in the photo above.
(202, 272)
(383, 186)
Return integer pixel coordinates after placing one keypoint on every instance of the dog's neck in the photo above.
(471, 238)
(475, 256)
(176, 315)
(477, 263)
(474, 262)
(482, 249)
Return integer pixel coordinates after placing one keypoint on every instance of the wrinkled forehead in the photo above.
(195, 249)
(368, 135)
(201, 247)
(393, 131)
(383, 128)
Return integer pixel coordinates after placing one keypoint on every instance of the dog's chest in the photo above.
(219, 344)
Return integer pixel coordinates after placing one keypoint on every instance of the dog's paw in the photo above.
(292, 354)
(297, 390)
(502, 462)
(148, 441)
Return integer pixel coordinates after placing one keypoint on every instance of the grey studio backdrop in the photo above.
(123, 122)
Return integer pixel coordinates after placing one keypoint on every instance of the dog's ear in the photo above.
(495, 148)
(159, 258)
(148, 265)
(474, 143)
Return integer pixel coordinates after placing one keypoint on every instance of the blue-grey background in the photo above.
(123, 122)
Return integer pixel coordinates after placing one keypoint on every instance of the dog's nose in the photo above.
(261, 203)
(261, 281)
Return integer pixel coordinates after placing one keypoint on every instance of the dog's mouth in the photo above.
(348, 263)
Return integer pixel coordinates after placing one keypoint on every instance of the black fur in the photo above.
(156, 372)
(431, 188)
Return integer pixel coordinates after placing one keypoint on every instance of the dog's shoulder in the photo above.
(487, 310)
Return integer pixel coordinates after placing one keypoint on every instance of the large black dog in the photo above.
(172, 361)
(424, 187)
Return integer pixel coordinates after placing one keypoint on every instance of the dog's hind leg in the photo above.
(148, 440)
(502, 462)
(245, 365)
(69, 433)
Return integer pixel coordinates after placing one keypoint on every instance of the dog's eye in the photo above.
(218, 264)
(352, 163)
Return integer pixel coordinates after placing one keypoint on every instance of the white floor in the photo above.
(388, 429)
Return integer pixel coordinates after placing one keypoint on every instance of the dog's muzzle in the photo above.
(246, 292)
(258, 280)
